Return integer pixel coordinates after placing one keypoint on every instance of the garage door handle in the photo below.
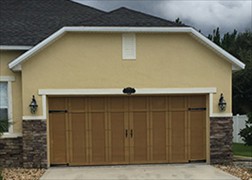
(131, 133)
(126, 133)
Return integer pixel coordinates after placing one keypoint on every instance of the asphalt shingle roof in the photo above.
(128, 17)
(27, 22)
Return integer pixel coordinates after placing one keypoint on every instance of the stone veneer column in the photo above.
(34, 144)
(221, 129)
(11, 152)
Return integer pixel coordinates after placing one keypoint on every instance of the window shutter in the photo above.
(129, 46)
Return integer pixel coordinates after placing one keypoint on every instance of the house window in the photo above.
(129, 46)
(4, 104)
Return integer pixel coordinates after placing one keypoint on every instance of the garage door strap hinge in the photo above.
(196, 109)
(57, 111)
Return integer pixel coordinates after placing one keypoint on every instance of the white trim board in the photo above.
(221, 115)
(139, 91)
(7, 78)
(237, 64)
(17, 47)
(34, 118)
(11, 135)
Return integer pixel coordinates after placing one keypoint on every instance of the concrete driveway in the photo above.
(144, 172)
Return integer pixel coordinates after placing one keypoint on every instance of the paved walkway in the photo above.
(143, 172)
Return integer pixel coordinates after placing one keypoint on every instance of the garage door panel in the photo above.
(97, 104)
(57, 103)
(77, 104)
(178, 143)
(118, 137)
(158, 103)
(117, 104)
(58, 139)
(177, 103)
(196, 101)
(78, 138)
(139, 103)
(159, 137)
(139, 137)
(197, 135)
(97, 137)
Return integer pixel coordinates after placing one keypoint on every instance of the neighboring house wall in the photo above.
(94, 60)
(239, 123)
(16, 88)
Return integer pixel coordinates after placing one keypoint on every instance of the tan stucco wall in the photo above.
(5, 58)
(94, 60)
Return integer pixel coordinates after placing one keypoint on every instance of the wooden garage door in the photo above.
(127, 130)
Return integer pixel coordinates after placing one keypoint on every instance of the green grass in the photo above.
(242, 150)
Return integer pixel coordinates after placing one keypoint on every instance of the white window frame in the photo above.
(9, 80)
(126, 44)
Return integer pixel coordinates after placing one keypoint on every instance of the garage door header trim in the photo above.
(140, 91)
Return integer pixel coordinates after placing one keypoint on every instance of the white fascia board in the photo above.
(17, 47)
(238, 64)
(129, 29)
(140, 91)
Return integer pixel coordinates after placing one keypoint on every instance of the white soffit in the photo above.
(237, 65)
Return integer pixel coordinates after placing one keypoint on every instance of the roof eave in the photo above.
(237, 64)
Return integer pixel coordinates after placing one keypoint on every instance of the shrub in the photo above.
(3, 126)
(246, 133)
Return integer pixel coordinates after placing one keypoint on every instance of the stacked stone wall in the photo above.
(11, 152)
(221, 137)
(34, 144)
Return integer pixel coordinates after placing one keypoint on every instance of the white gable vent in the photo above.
(129, 46)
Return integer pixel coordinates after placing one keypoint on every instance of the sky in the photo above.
(204, 15)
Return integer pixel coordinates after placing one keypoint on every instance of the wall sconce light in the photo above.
(33, 105)
(222, 103)
(129, 90)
